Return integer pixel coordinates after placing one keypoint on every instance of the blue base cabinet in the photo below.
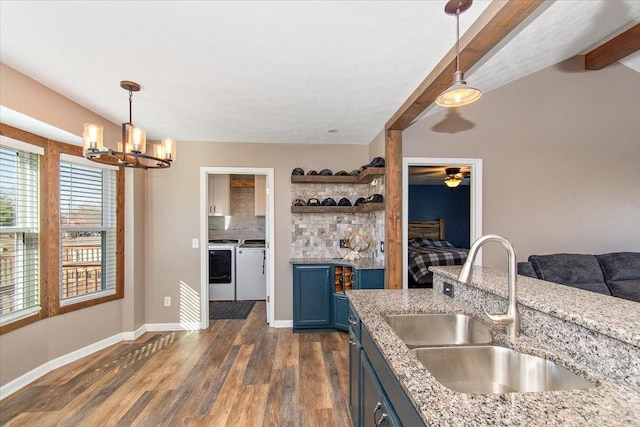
(355, 349)
(375, 395)
(319, 299)
(312, 297)
(369, 279)
(340, 312)
(376, 409)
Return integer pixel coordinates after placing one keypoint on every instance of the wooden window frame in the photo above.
(50, 229)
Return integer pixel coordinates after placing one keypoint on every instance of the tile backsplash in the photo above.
(317, 235)
(242, 223)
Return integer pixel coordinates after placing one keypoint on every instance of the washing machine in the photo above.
(222, 269)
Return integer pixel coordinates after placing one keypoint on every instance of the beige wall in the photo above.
(560, 151)
(173, 203)
(29, 347)
(376, 147)
(134, 251)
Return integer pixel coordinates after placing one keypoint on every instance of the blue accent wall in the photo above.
(429, 202)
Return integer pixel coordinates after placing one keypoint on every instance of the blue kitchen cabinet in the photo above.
(319, 298)
(312, 296)
(369, 279)
(376, 408)
(340, 312)
(347, 278)
(355, 348)
(375, 395)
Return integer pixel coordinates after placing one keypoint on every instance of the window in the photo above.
(87, 231)
(19, 277)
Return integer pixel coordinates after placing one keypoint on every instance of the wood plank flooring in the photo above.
(236, 373)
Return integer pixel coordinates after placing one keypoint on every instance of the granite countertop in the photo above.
(361, 264)
(607, 404)
(617, 317)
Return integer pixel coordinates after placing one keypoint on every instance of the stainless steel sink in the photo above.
(494, 369)
(420, 330)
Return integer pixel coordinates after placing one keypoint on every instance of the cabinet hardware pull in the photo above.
(382, 418)
(352, 341)
(375, 411)
(353, 321)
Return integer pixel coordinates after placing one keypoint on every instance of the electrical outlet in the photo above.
(447, 289)
(343, 245)
(195, 243)
(167, 301)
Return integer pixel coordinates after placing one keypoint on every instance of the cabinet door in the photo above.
(376, 409)
(370, 279)
(312, 296)
(340, 312)
(354, 377)
(260, 187)
(219, 195)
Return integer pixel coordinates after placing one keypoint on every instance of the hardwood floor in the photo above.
(236, 373)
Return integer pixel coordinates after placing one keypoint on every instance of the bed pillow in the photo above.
(428, 241)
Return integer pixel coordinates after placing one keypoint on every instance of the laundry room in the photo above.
(236, 231)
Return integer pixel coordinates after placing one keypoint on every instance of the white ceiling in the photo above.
(275, 71)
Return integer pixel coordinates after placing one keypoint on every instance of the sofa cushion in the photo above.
(526, 269)
(577, 270)
(622, 274)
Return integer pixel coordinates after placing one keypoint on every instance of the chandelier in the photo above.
(131, 151)
(458, 94)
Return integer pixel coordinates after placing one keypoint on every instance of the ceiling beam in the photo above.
(493, 25)
(614, 50)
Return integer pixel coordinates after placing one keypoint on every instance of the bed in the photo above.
(426, 247)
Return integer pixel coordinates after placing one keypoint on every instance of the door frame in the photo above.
(475, 214)
(204, 236)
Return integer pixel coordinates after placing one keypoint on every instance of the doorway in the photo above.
(474, 167)
(269, 236)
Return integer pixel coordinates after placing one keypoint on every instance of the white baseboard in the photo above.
(131, 336)
(26, 379)
(161, 327)
(283, 324)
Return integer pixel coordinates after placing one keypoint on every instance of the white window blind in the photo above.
(87, 232)
(19, 222)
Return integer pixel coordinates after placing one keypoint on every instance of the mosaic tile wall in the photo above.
(318, 235)
(242, 223)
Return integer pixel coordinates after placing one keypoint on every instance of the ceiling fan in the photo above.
(435, 175)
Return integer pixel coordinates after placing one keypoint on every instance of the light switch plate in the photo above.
(195, 243)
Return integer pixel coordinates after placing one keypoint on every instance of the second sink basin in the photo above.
(419, 330)
(495, 369)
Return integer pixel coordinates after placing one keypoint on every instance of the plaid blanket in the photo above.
(425, 252)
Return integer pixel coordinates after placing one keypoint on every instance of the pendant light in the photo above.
(459, 93)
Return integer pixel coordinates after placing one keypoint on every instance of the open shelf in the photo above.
(367, 207)
(365, 177)
(343, 278)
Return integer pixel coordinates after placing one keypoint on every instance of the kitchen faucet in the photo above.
(510, 319)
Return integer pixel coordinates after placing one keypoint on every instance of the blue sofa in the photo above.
(616, 274)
